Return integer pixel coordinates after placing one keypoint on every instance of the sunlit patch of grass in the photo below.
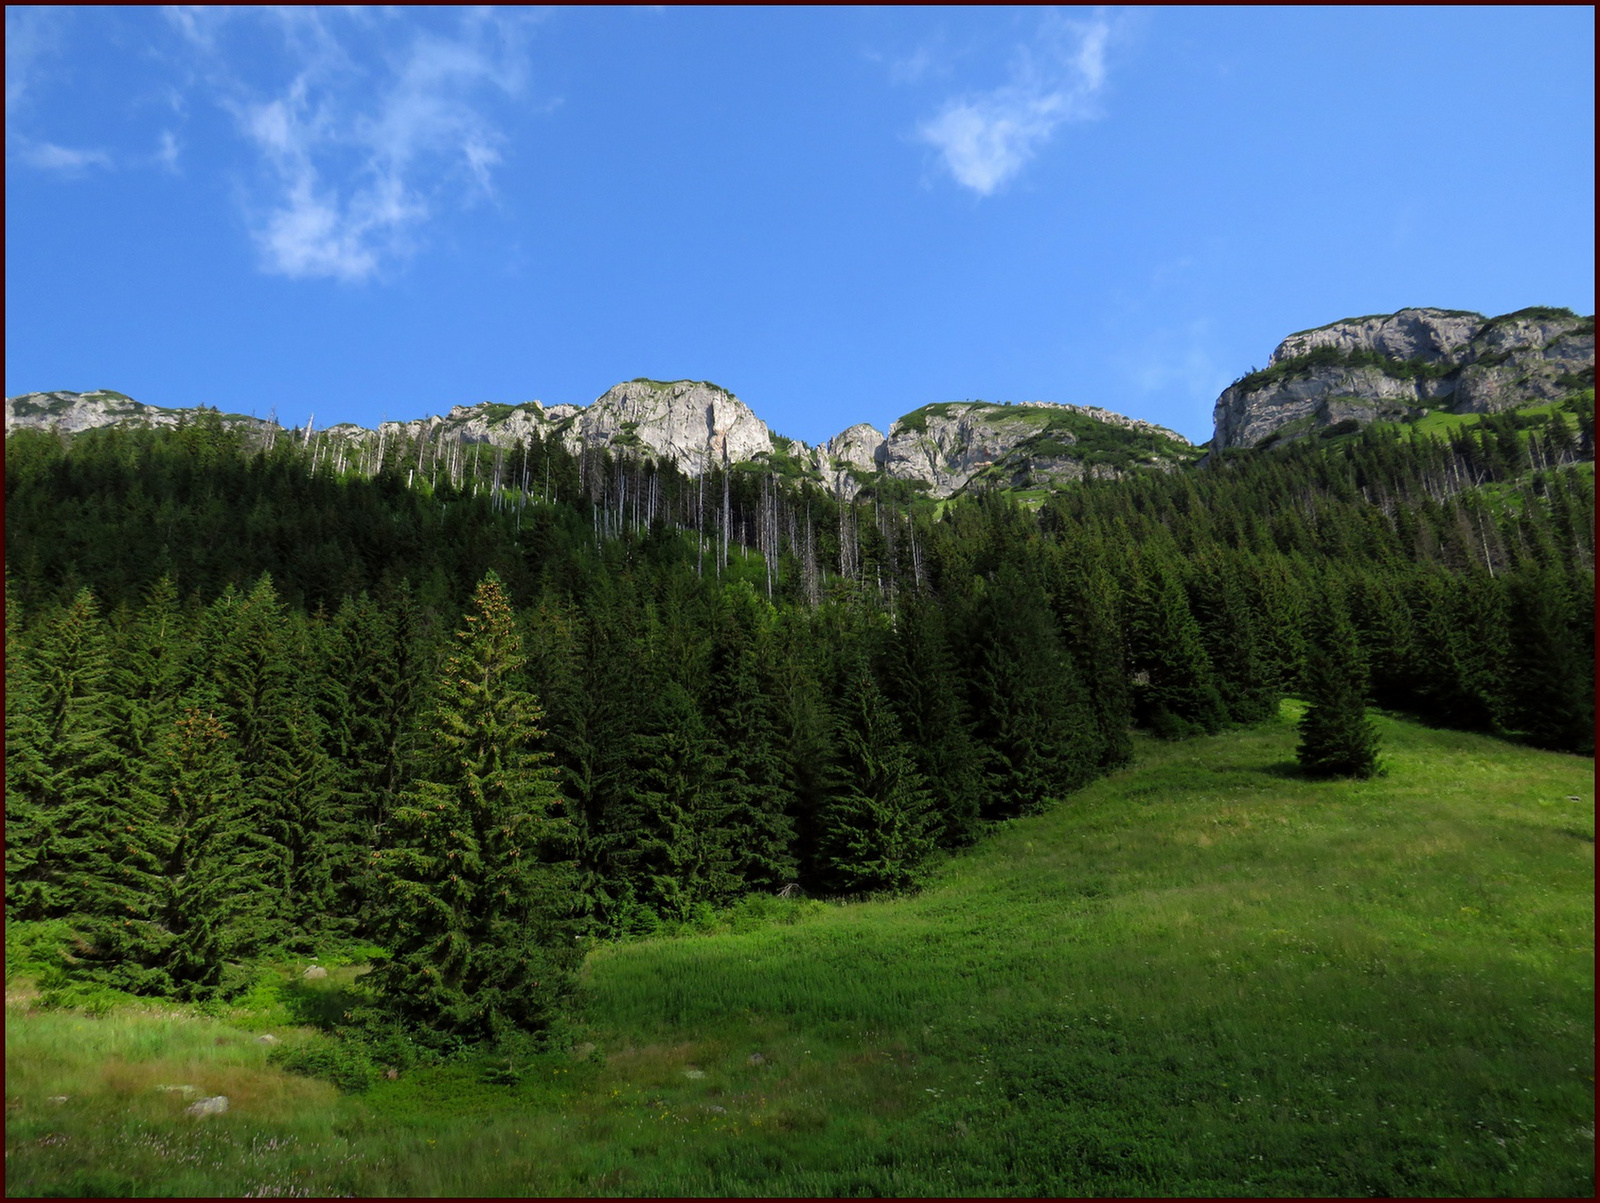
(97, 1105)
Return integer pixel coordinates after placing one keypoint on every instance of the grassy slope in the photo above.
(1204, 975)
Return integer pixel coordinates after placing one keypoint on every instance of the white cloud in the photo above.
(984, 139)
(361, 147)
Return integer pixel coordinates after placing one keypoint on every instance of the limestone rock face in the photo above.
(1399, 366)
(693, 424)
(1319, 397)
(1033, 443)
(848, 456)
(70, 413)
(1427, 334)
(947, 449)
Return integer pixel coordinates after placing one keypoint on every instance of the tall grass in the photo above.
(1205, 975)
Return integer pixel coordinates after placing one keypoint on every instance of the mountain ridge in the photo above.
(698, 426)
(1348, 373)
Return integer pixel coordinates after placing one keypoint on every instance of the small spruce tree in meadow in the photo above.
(1337, 739)
(476, 882)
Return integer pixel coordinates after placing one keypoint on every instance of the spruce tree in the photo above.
(216, 870)
(1337, 739)
(476, 884)
(922, 682)
(1086, 597)
(1034, 720)
(805, 730)
(1231, 635)
(1175, 692)
(879, 827)
(754, 778)
(672, 840)
(30, 820)
(1549, 701)
(61, 792)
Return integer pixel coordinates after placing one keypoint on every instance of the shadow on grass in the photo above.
(322, 1005)
(1288, 770)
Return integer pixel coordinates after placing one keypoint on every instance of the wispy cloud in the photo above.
(167, 153)
(985, 138)
(31, 38)
(1179, 360)
(370, 135)
(61, 158)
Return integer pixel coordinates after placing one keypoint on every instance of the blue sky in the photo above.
(840, 215)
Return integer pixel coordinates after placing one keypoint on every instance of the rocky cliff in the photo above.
(1397, 367)
(1031, 444)
(938, 449)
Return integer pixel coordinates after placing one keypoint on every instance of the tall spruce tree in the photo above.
(217, 871)
(478, 905)
(672, 840)
(62, 790)
(1085, 596)
(1549, 701)
(364, 704)
(921, 680)
(1175, 692)
(754, 778)
(1231, 636)
(1033, 714)
(880, 826)
(1337, 739)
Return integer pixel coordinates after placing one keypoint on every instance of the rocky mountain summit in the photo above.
(696, 425)
(1398, 367)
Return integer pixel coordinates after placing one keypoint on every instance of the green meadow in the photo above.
(1203, 975)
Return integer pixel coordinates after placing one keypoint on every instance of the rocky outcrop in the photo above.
(694, 424)
(849, 458)
(1031, 444)
(1397, 367)
(943, 448)
(70, 413)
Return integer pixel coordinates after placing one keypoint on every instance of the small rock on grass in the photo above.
(756, 1059)
(314, 972)
(269, 1038)
(215, 1105)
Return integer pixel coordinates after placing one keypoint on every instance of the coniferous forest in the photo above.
(263, 701)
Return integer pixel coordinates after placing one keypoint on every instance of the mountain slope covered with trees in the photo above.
(257, 703)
